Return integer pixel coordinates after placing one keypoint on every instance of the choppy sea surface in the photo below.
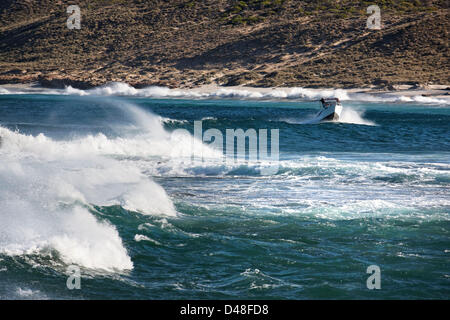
(96, 179)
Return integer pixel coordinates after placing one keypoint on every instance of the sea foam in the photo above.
(294, 93)
(48, 187)
(123, 89)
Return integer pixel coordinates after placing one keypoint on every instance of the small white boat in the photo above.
(330, 111)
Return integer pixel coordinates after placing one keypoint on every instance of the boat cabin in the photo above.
(329, 102)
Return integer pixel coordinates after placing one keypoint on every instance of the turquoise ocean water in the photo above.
(99, 182)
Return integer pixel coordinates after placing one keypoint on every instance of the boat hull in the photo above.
(332, 113)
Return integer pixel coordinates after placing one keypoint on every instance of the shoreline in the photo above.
(432, 91)
(435, 91)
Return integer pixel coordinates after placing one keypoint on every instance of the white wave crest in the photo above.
(422, 99)
(4, 91)
(124, 89)
(49, 185)
(29, 224)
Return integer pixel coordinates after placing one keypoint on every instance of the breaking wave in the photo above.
(123, 89)
(49, 188)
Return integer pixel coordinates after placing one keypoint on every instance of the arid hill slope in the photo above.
(185, 43)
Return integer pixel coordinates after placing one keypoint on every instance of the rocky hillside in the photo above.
(185, 43)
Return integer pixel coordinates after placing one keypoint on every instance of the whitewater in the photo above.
(124, 89)
(98, 179)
